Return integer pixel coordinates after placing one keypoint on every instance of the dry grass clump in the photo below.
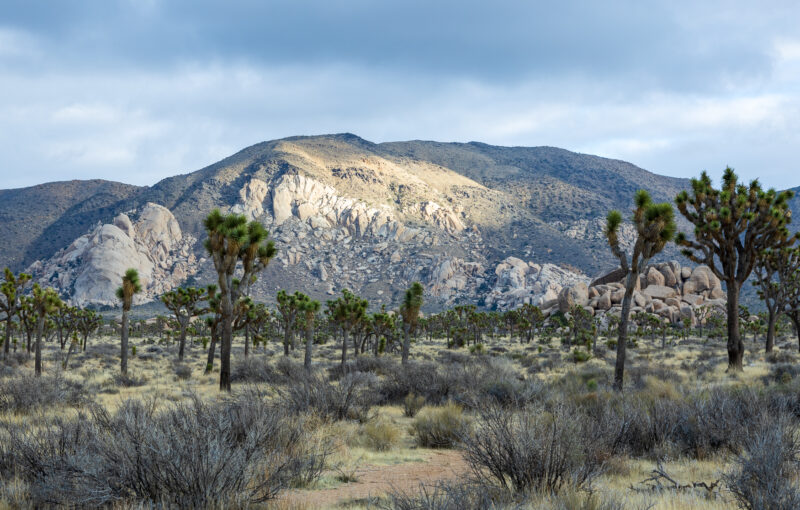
(440, 427)
(380, 434)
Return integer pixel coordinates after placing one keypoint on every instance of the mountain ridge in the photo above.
(370, 216)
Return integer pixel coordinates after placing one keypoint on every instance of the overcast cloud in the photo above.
(139, 90)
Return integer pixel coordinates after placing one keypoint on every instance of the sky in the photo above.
(139, 90)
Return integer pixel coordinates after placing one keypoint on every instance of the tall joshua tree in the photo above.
(655, 227)
(346, 312)
(777, 273)
(185, 303)
(232, 241)
(732, 225)
(45, 302)
(10, 292)
(409, 310)
(130, 286)
(308, 309)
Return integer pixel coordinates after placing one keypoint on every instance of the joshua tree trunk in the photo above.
(39, 334)
(287, 333)
(771, 322)
(182, 341)
(795, 318)
(406, 342)
(345, 339)
(622, 339)
(124, 352)
(246, 340)
(309, 342)
(6, 346)
(735, 344)
(65, 364)
(212, 349)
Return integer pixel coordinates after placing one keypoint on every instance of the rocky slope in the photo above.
(496, 226)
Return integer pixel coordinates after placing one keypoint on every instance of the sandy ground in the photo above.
(372, 481)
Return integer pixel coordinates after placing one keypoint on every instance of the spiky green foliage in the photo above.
(346, 312)
(655, 227)
(383, 326)
(289, 306)
(308, 312)
(10, 291)
(409, 310)
(233, 240)
(130, 286)
(185, 303)
(777, 275)
(87, 321)
(44, 302)
(732, 226)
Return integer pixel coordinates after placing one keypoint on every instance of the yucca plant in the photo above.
(655, 227)
(130, 286)
(732, 226)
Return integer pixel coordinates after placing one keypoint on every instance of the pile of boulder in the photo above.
(665, 289)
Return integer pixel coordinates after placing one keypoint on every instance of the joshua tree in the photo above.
(130, 286)
(289, 307)
(27, 320)
(531, 319)
(232, 241)
(777, 273)
(308, 309)
(10, 291)
(383, 325)
(655, 227)
(732, 226)
(87, 321)
(184, 303)
(213, 323)
(409, 310)
(346, 312)
(44, 302)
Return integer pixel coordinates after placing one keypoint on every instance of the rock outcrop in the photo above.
(90, 269)
(519, 282)
(665, 289)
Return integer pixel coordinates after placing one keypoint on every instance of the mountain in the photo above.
(463, 218)
(36, 221)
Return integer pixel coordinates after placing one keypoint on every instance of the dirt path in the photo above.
(378, 480)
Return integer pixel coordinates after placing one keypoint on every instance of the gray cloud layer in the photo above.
(139, 90)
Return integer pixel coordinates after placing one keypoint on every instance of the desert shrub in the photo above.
(577, 500)
(532, 450)
(27, 393)
(129, 380)
(782, 373)
(289, 369)
(436, 383)
(255, 369)
(580, 356)
(349, 398)
(440, 427)
(442, 496)
(763, 475)
(15, 359)
(380, 434)
(412, 404)
(182, 371)
(191, 455)
(781, 357)
(365, 364)
(477, 349)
